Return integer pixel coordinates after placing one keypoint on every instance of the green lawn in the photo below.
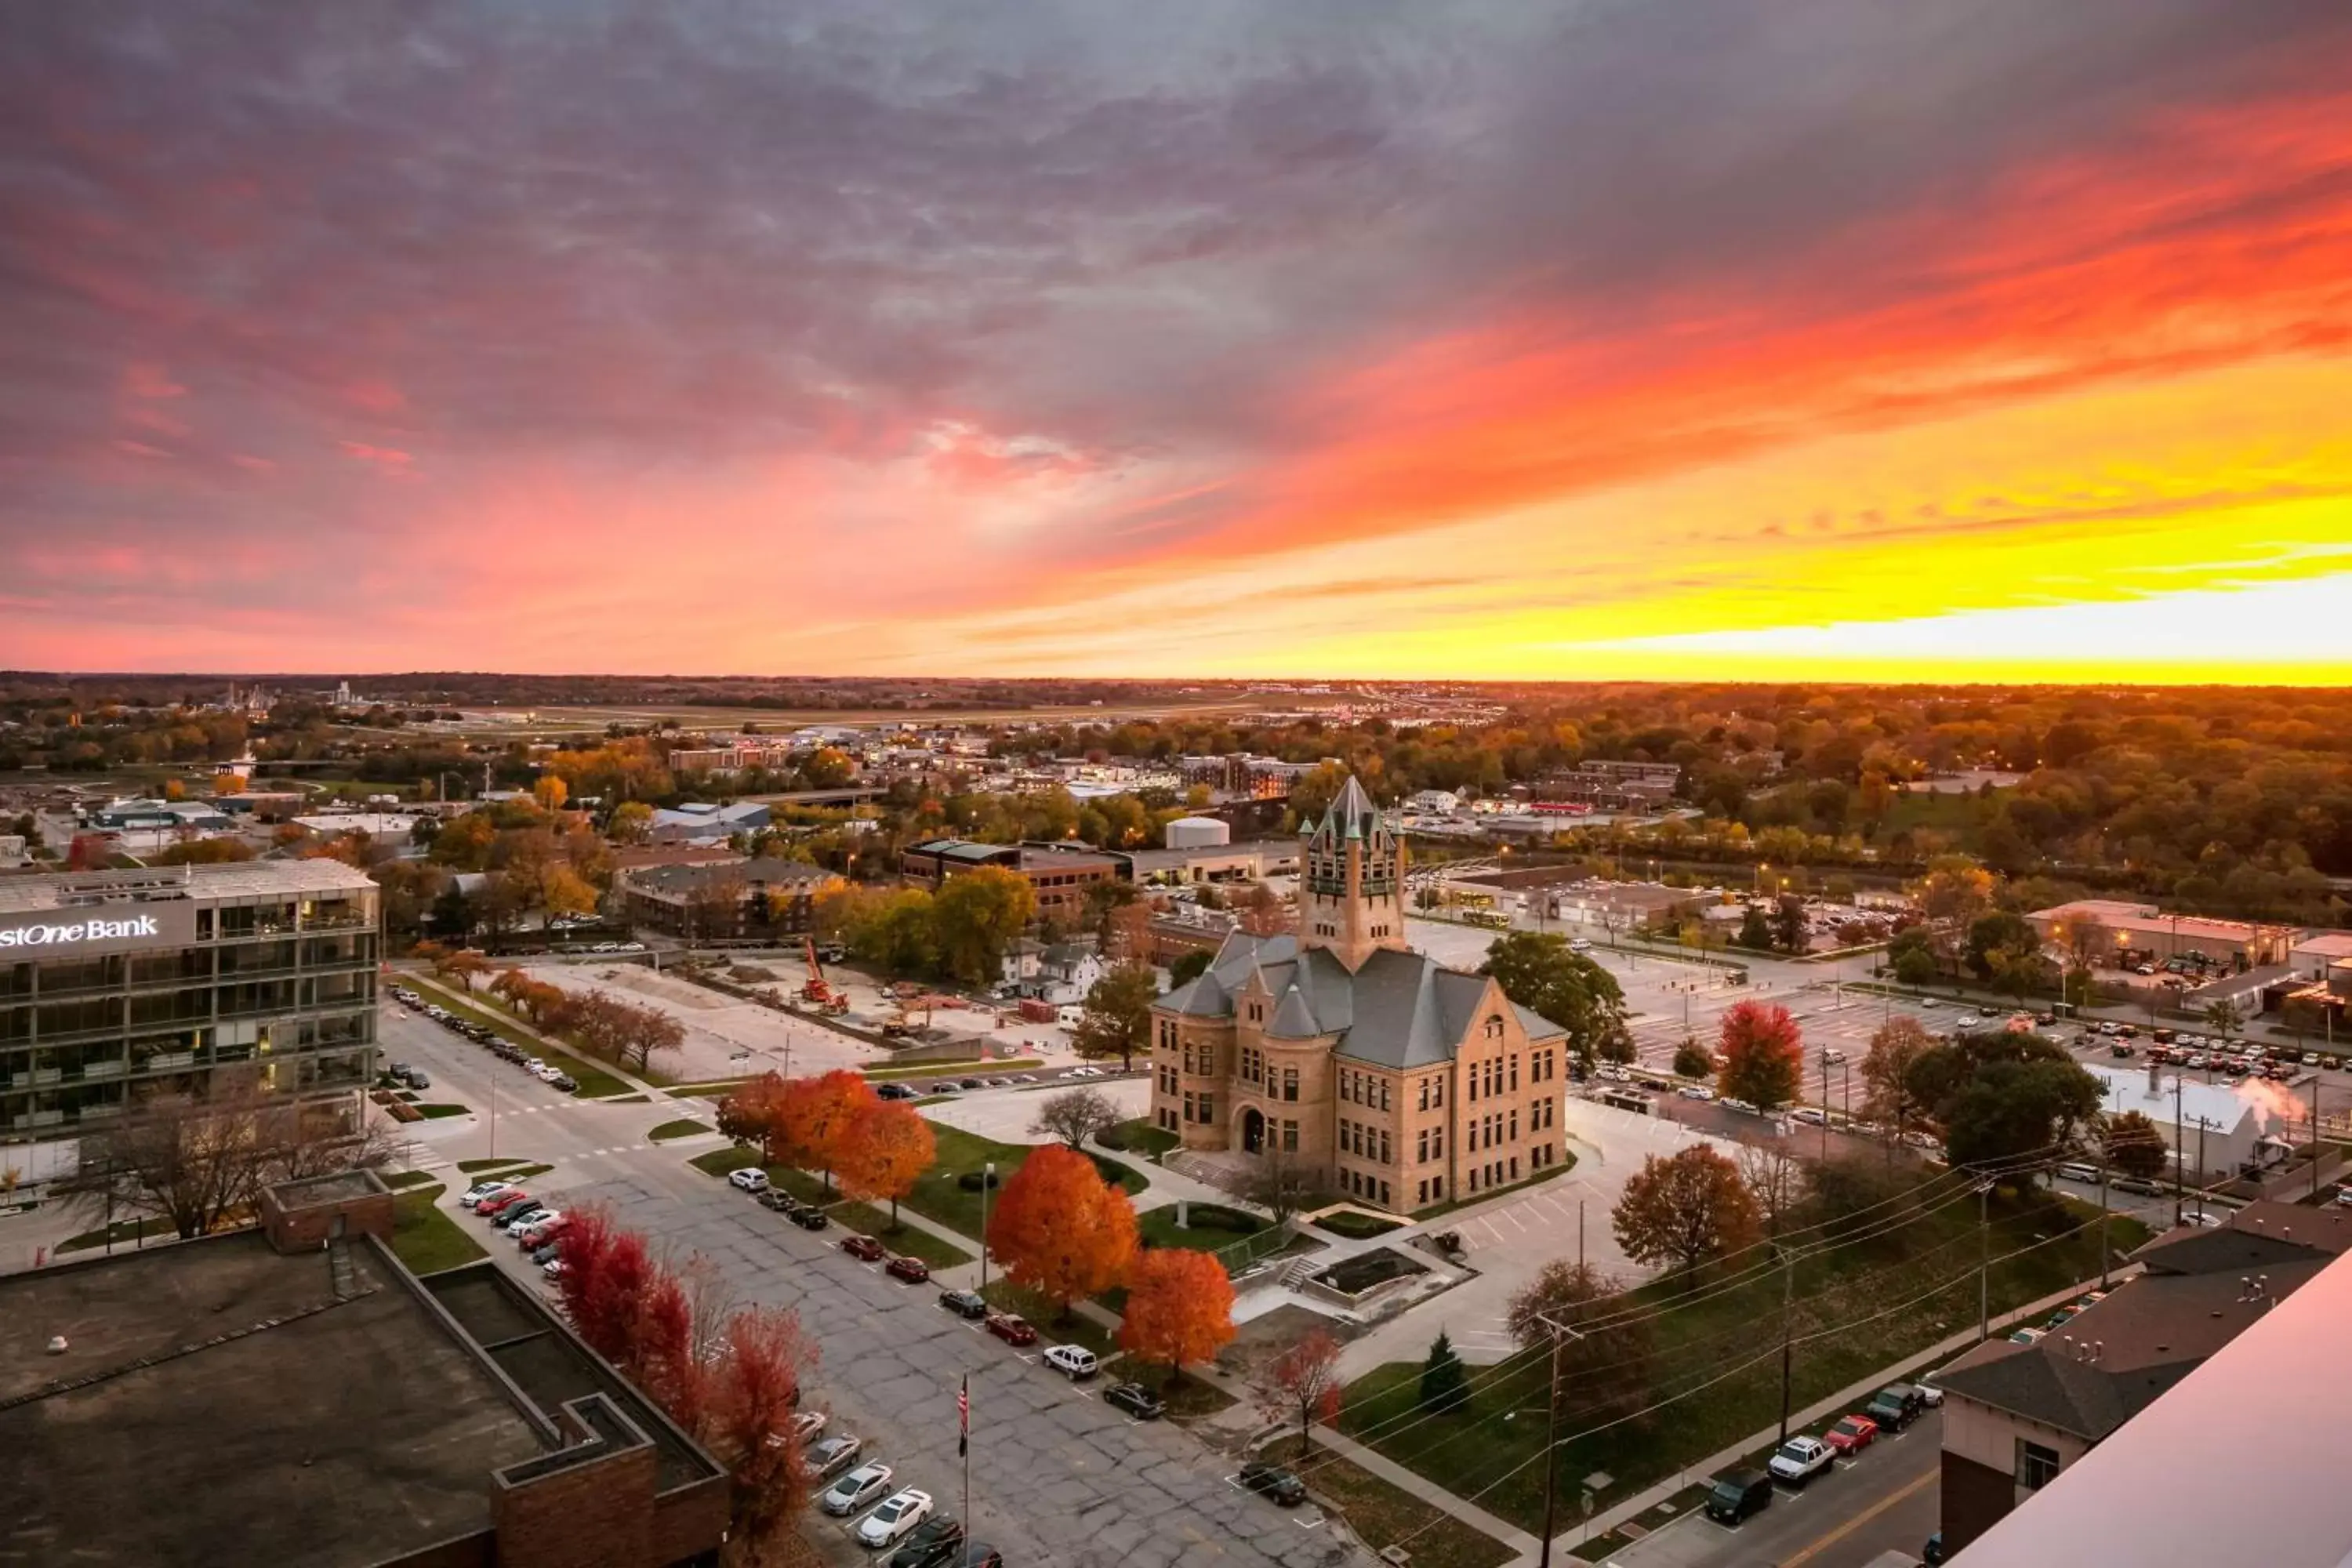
(426, 1239)
(937, 1195)
(1356, 1226)
(717, 1089)
(433, 1112)
(1139, 1136)
(593, 1080)
(685, 1127)
(1875, 1303)
(1075, 1330)
(1212, 1226)
(400, 1179)
(490, 1164)
(124, 1232)
(1381, 1515)
(722, 1162)
(524, 1172)
(874, 1219)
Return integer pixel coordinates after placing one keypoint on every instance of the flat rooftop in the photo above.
(244, 880)
(216, 1392)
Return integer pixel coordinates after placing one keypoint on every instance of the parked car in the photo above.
(1895, 1407)
(932, 1546)
(1136, 1400)
(541, 1230)
(1696, 1091)
(751, 1178)
(808, 1216)
(913, 1271)
(898, 1513)
(1272, 1481)
(563, 1082)
(480, 1192)
(1933, 1553)
(1011, 1328)
(1851, 1434)
(973, 1083)
(824, 1457)
(397, 1072)
(496, 1203)
(965, 1304)
(894, 1091)
(1799, 1460)
(980, 1554)
(807, 1424)
(778, 1199)
(2137, 1184)
(520, 1217)
(1929, 1395)
(1737, 1494)
(553, 1266)
(865, 1249)
(419, 1079)
(548, 1252)
(1076, 1362)
(855, 1489)
(1811, 1115)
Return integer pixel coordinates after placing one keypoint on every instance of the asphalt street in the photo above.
(1884, 1499)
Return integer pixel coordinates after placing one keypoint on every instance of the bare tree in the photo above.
(1076, 1115)
(1277, 1183)
(1777, 1181)
(201, 1163)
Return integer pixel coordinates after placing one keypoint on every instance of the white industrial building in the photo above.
(2233, 1123)
(1197, 833)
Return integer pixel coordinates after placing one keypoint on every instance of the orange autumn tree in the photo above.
(1180, 1307)
(1061, 1230)
(884, 1147)
(812, 1115)
(749, 1115)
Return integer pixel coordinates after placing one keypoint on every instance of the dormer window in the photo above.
(1495, 1027)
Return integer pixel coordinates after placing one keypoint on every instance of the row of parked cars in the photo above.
(532, 1224)
(904, 1518)
(497, 1044)
(1738, 1494)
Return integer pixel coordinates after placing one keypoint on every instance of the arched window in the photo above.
(1495, 1027)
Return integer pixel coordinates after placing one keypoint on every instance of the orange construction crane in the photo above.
(817, 989)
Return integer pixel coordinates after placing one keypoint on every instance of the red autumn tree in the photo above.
(884, 1148)
(1763, 1056)
(1686, 1209)
(1060, 1229)
(812, 1117)
(628, 1308)
(751, 1388)
(1303, 1381)
(750, 1113)
(1180, 1307)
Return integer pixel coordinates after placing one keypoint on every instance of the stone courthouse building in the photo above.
(1378, 1071)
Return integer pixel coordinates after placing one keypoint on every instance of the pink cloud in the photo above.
(145, 380)
(385, 459)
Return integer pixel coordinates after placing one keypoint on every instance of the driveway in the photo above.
(1058, 1477)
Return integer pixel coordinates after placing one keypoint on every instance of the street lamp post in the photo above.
(987, 1180)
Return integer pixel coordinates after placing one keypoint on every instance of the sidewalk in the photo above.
(1430, 1492)
(1845, 1399)
(507, 1020)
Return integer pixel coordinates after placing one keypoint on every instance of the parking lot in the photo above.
(1058, 1476)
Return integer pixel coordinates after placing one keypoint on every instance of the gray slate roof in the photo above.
(1400, 1010)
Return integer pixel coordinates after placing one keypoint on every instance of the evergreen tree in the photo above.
(1445, 1382)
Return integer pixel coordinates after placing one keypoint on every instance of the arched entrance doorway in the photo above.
(1253, 1132)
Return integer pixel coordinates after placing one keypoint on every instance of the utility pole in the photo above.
(2315, 1136)
(2177, 1162)
(1984, 1261)
(1561, 1334)
(1788, 1301)
(1825, 1104)
(987, 1180)
(2103, 1214)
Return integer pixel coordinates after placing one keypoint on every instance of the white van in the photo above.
(2075, 1170)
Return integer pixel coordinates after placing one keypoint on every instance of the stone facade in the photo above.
(1377, 1072)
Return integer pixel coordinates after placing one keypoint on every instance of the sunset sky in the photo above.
(1933, 339)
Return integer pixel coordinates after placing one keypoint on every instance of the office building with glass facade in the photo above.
(115, 985)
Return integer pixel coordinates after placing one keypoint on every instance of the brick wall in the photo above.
(308, 1229)
(1975, 1498)
(598, 1513)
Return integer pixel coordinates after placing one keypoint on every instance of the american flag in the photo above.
(963, 1416)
